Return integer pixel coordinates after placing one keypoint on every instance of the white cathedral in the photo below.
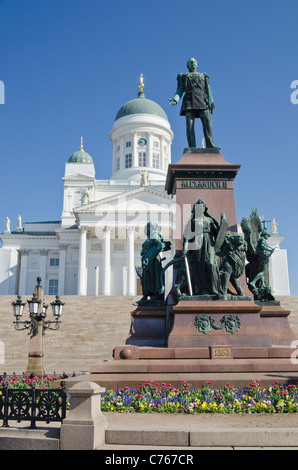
(95, 249)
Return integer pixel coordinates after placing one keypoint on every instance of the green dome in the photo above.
(141, 105)
(80, 157)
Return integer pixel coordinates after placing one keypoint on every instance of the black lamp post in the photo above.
(37, 324)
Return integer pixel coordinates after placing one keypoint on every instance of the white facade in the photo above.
(95, 248)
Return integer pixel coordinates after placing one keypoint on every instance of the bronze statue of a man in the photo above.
(197, 102)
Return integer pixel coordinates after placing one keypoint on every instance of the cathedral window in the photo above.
(128, 144)
(118, 164)
(53, 287)
(142, 158)
(128, 160)
(54, 261)
(156, 144)
(155, 160)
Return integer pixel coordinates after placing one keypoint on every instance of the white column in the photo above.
(135, 155)
(23, 272)
(149, 149)
(82, 271)
(42, 267)
(96, 279)
(131, 279)
(62, 260)
(106, 275)
(121, 153)
(162, 153)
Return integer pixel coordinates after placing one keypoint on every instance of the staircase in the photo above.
(91, 326)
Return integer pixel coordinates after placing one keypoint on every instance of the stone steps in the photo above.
(21, 438)
(90, 328)
(197, 431)
(192, 439)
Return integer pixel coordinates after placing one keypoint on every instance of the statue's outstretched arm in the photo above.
(179, 92)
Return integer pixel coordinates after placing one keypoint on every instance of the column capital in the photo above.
(63, 246)
(107, 231)
(82, 229)
(43, 252)
(24, 252)
(130, 229)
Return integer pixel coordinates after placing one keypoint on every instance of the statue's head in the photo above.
(199, 208)
(191, 64)
(265, 234)
(150, 228)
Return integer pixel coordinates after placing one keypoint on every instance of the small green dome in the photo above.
(141, 105)
(80, 157)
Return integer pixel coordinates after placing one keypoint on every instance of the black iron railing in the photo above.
(32, 404)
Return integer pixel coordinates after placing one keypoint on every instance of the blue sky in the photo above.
(69, 65)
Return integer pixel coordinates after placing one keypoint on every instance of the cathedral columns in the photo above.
(82, 269)
(106, 275)
(150, 145)
(43, 266)
(23, 272)
(131, 280)
(62, 259)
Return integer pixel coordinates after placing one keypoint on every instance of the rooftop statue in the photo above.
(197, 102)
(257, 254)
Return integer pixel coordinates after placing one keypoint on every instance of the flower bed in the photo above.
(25, 382)
(152, 397)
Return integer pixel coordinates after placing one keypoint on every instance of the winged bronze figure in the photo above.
(257, 254)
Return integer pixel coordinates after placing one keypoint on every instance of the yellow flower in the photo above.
(204, 404)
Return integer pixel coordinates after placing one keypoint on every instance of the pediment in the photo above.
(78, 177)
(140, 199)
